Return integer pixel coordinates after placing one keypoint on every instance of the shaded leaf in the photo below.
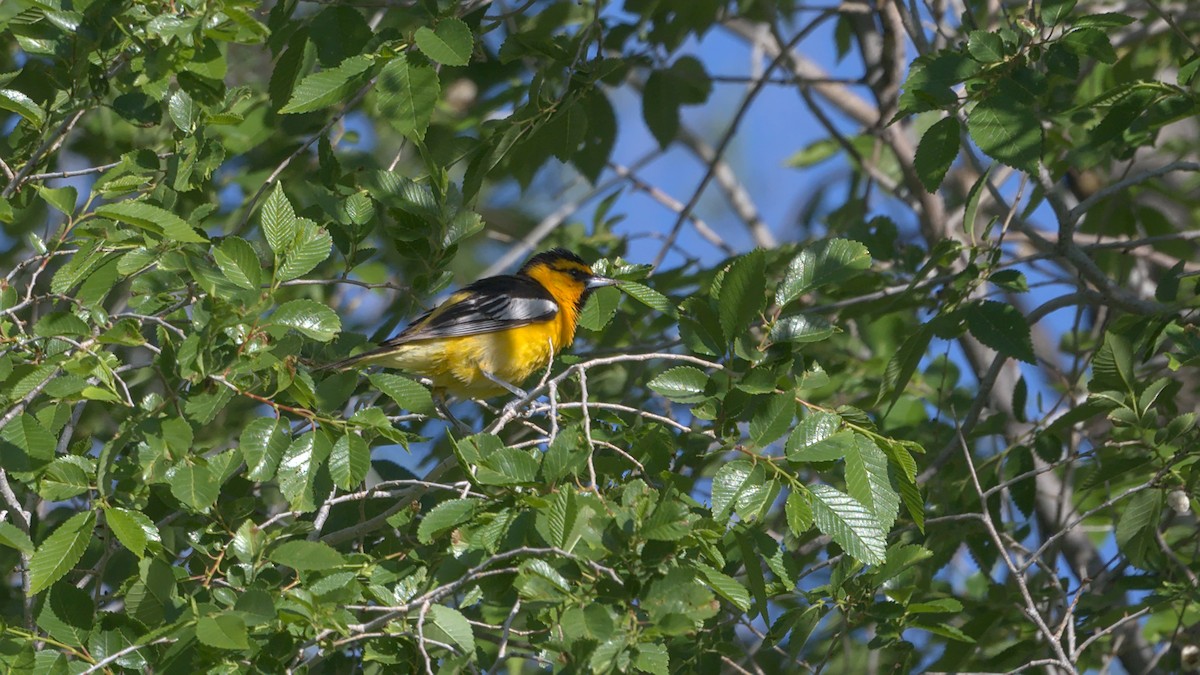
(60, 551)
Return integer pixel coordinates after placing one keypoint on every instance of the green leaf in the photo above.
(323, 89)
(1138, 524)
(446, 516)
(133, 528)
(817, 439)
(903, 364)
(60, 551)
(68, 614)
(831, 261)
(226, 630)
(1005, 127)
(742, 294)
(302, 555)
(798, 512)
(153, 219)
(725, 586)
(1054, 11)
(671, 520)
(1106, 20)
(66, 477)
(63, 199)
(13, 537)
(239, 263)
(867, 480)
(60, 323)
(937, 150)
(29, 436)
(349, 461)
(599, 309)
(1091, 42)
(278, 221)
(801, 329)
(193, 485)
(17, 102)
(682, 384)
(450, 43)
(849, 523)
(985, 47)
(308, 317)
(648, 296)
(652, 658)
(739, 484)
(184, 113)
(311, 246)
(410, 395)
(454, 625)
(298, 468)
(772, 420)
(407, 94)
(262, 443)
(1001, 327)
(507, 466)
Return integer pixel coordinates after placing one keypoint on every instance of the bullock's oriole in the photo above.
(492, 335)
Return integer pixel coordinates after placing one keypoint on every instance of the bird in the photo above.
(489, 337)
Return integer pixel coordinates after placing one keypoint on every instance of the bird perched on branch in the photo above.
(489, 337)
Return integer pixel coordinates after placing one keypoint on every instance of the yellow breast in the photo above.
(456, 365)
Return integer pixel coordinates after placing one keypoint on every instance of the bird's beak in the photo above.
(599, 282)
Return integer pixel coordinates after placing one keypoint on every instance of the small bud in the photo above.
(1178, 500)
(1189, 658)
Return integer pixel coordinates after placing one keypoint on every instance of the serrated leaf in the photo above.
(446, 516)
(648, 296)
(1005, 127)
(828, 262)
(133, 529)
(1001, 327)
(737, 483)
(262, 444)
(599, 309)
(1138, 524)
(60, 551)
(742, 294)
(19, 103)
(154, 219)
(725, 586)
(407, 94)
(223, 631)
(772, 420)
(63, 198)
(507, 466)
(849, 523)
(683, 384)
(454, 625)
(798, 512)
(310, 247)
(801, 329)
(671, 520)
(450, 43)
(349, 461)
(985, 47)
(278, 221)
(13, 537)
(936, 152)
(409, 394)
(652, 658)
(867, 480)
(308, 317)
(323, 89)
(239, 263)
(298, 468)
(302, 555)
(193, 485)
(817, 439)
(27, 433)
